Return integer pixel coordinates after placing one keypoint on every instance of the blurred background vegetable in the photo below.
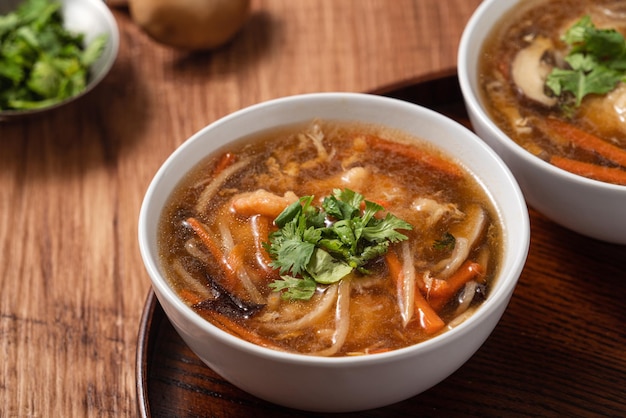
(190, 24)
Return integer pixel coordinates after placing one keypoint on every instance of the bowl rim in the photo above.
(111, 51)
(507, 278)
(480, 19)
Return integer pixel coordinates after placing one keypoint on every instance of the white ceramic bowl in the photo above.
(589, 207)
(348, 383)
(91, 18)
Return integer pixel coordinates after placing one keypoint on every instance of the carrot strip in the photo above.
(188, 296)
(429, 320)
(586, 140)
(440, 292)
(214, 249)
(225, 161)
(590, 170)
(394, 264)
(232, 327)
(420, 157)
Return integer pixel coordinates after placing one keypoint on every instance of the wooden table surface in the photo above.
(72, 283)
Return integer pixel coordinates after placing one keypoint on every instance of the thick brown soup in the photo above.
(557, 91)
(402, 242)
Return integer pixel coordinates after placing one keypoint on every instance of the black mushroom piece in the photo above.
(220, 299)
(227, 303)
(530, 68)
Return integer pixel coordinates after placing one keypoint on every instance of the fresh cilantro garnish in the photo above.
(446, 243)
(295, 288)
(41, 63)
(323, 245)
(597, 61)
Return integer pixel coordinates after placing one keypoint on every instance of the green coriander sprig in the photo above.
(323, 245)
(597, 62)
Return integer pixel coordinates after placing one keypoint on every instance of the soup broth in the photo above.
(215, 233)
(587, 138)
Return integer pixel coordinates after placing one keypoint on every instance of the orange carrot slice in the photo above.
(232, 327)
(590, 170)
(419, 156)
(214, 249)
(188, 296)
(428, 319)
(586, 140)
(441, 291)
(226, 160)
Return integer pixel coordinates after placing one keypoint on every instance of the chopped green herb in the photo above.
(324, 245)
(446, 243)
(597, 62)
(42, 63)
(295, 288)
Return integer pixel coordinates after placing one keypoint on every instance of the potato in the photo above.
(190, 24)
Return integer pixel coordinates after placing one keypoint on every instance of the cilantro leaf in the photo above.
(344, 230)
(324, 245)
(93, 51)
(386, 229)
(599, 80)
(287, 215)
(291, 248)
(294, 288)
(371, 209)
(350, 197)
(326, 269)
(8, 23)
(341, 204)
(293, 255)
(596, 62)
(371, 252)
(44, 79)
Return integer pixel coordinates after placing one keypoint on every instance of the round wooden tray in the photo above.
(537, 362)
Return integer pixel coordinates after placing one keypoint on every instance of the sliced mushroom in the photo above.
(530, 71)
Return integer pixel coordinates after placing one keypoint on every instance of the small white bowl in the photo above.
(589, 207)
(91, 18)
(344, 383)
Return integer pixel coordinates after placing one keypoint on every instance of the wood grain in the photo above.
(72, 284)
